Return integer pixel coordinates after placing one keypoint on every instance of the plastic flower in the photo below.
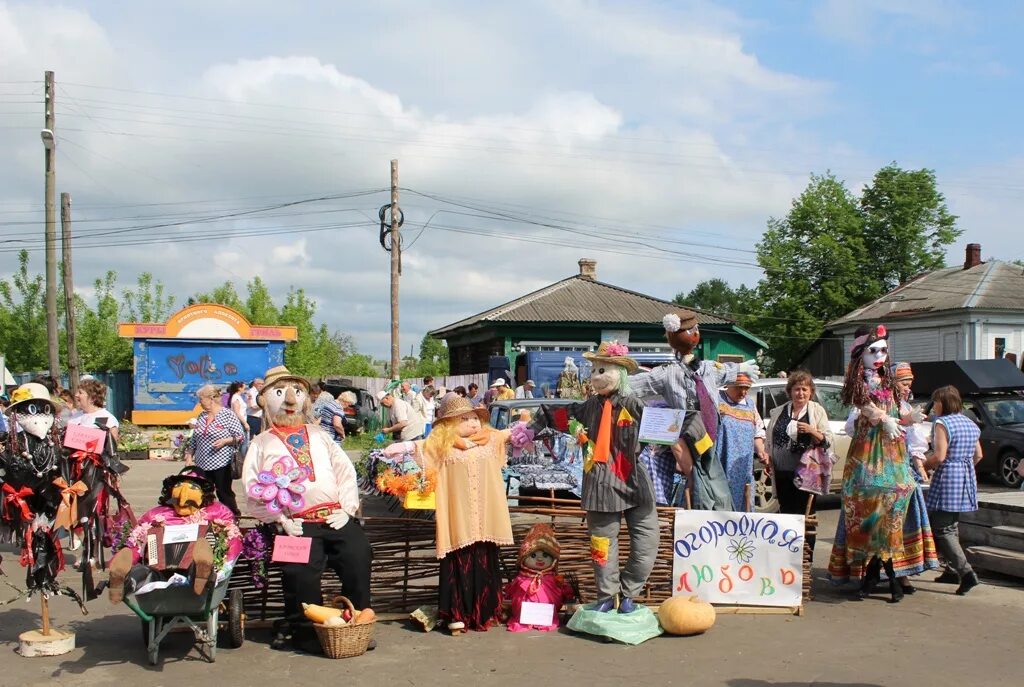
(615, 349)
(671, 322)
(281, 486)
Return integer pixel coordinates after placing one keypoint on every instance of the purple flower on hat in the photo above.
(281, 486)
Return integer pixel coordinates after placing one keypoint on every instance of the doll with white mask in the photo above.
(878, 484)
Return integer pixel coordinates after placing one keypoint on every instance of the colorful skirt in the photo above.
(919, 552)
(469, 589)
(877, 491)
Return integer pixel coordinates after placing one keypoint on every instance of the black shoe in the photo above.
(871, 576)
(895, 589)
(948, 577)
(969, 582)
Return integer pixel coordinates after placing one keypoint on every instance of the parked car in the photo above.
(358, 417)
(1000, 416)
(504, 413)
(771, 394)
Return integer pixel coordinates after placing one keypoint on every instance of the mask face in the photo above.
(875, 355)
(186, 498)
(539, 560)
(606, 378)
(468, 425)
(286, 403)
(35, 418)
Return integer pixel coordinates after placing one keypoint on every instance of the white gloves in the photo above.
(892, 427)
(917, 416)
(337, 519)
(752, 369)
(293, 528)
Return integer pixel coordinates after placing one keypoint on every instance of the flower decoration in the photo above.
(616, 349)
(671, 322)
(281, 486)
(397, 484)
(741, 550)
(256, 550)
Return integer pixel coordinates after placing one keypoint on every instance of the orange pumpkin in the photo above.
(365, 616)
(686, 615)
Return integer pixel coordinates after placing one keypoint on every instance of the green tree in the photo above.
(148, 302)
(23, 319)
(717, 297)
(259, 305)
(357, 365)
(225, 294)
(907, 225)
(433, 360)
(99, 346)
(814, 262)
(315, 353)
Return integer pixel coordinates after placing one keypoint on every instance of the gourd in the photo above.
(365, 616)
(686, 615)
(320, 614)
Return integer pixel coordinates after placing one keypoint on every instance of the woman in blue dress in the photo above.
(954, 487)
(741, 436)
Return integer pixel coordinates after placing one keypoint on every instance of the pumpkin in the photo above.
(365, 616)
(686, 615)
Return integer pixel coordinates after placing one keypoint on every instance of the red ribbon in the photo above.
(14, 501)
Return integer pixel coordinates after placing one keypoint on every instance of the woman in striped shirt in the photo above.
(212, 446)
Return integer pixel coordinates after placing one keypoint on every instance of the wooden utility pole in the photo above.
(50, 148)
(69, 289)
(396, 271)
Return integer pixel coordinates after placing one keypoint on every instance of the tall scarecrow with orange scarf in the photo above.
(615, 485)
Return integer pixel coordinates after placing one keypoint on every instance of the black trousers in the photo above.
(346, 551)
(255, 425)
(791, 499)
(221, 478)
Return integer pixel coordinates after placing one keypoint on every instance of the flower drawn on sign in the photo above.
(741, 549)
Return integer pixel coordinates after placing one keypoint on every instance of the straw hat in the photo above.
(279, 373)
(613, 353)
(28, 392)
(457, 406)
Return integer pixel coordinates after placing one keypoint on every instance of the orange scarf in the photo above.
(603, 450)
(479, 439)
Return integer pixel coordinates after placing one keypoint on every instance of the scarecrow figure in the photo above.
(615, 485)
(34, 493)
(297, 477)
(692, 384)
(538, 580)
(186, 499)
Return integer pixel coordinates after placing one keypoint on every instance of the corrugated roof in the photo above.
(579, 299)
(993, 285)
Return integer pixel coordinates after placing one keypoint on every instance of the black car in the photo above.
(1000, 416)
(358, 417)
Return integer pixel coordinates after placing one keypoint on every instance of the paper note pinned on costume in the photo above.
(82, 438)
(532, 613)
(291, 549)
(661, 425)
(180, 534)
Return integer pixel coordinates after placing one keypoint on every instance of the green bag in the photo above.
(629, 628)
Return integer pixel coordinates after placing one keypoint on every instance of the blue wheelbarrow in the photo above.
(163, 610)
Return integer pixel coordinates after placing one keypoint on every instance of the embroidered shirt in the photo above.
(221, 425)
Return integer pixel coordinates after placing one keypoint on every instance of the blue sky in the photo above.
(658, 137)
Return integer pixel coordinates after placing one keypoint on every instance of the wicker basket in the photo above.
(344, 641)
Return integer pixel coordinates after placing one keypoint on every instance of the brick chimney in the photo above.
(972, 259)
(588, 269)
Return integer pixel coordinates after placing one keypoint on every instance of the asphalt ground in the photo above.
(930, 638)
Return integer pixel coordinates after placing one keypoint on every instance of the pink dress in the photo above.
(542, 588)
(216, 514)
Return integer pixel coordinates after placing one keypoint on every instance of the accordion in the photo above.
(167, 551)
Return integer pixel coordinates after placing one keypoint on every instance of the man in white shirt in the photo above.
(253, 412)
(405, 423)
(525, 390)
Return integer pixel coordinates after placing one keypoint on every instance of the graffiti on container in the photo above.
(204, 367)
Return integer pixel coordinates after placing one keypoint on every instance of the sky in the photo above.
(213, 141)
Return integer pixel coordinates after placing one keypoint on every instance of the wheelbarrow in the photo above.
(163, 610)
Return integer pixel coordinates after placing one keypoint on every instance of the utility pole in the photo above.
(69, 289)
(50, 147)
(396, 271)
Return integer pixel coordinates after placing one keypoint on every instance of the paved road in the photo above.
(931, 638)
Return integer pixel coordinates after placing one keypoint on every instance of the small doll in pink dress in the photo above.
(538, 580)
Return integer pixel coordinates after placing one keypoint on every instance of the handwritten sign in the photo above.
(82, 438)
(750, 559)
(533, 613)
(661, 425)
(291, 549)
(180, 534)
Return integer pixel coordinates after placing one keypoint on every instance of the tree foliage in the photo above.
(23, 318)
(715, 296)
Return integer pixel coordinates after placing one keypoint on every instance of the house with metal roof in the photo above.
(576, 314)
(971, 311)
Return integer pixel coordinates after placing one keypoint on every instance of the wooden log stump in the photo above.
(35, 643)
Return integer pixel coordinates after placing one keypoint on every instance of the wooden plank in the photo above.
(759, 610)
